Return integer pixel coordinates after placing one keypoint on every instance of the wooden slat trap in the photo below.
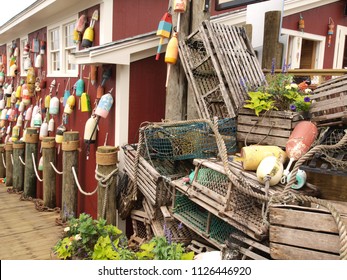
(270, 128)
(304, 233)
(219, 63)
(329, 106)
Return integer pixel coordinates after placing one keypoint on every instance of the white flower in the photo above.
(66, 229)
(288, 87)
(78, 237)
(308, 90)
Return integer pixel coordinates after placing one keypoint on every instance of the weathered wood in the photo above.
(69, 186)
(107, 196)
(9, 164)
(18, 167)
(31, 142)
(304, 233)
(2, 161)
(25, 233)
(272, 49)
(49, 175)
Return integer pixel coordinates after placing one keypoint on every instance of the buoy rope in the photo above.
(34, 163)
(11, 159)
(55, 169)
(21, 160)
(3, 160)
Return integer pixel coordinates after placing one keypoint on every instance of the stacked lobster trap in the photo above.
(219, 63)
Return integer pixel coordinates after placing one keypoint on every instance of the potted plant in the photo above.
(273, 110)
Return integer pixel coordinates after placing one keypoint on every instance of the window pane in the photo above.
(55, 61)
(69, 28)
(55, 39)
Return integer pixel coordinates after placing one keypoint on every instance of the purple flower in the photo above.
(180, 226)
(292, 107)
(307, 99)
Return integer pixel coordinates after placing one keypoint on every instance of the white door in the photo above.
(339, 53)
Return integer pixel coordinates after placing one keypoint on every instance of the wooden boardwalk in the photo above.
(25, 233)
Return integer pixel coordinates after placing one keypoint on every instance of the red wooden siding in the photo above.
(316, 22)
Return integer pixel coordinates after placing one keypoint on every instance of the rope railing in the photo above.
(21, 160)
(55, 169)
(35, 169)
(3, 160)
(11, 159)
(78, 184)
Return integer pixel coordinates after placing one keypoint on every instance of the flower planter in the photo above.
(269, 128)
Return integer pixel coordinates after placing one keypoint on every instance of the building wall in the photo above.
(316, 22)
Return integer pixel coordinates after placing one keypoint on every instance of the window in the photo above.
(61, 45)
(24, 55)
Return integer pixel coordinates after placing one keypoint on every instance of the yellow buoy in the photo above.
(251, 156)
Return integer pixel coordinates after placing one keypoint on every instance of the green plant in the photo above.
(86, 238)
(159, 248)
(279, 93)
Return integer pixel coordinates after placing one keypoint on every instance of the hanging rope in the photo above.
(34, 163)
(105, 181)
(78, 184)
(21, 160)
(55, 169)
(3, 160)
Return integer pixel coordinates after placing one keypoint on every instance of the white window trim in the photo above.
(23, 73)
(319, 60)
(341, 33)
(63, 72)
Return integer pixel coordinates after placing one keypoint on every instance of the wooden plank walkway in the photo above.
(25, 233)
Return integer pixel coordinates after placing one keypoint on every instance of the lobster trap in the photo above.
(330, 103)
(219, 61)
(212, 190)
(204, 223)
(187, 139)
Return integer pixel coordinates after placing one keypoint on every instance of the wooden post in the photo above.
(106, 158)
(9, 164)
(2, 159)
(31, 140)
(70, 147)
(49, 176)
(18, 167)
(272, 49)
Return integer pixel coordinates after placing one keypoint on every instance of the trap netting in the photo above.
(187, 139)
(331, 147)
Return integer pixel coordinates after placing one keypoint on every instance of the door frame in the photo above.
(341, 33)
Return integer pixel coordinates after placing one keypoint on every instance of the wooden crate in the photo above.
(270, 128)
(329, 106)
(304, 233)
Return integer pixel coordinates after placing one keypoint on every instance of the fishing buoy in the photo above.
(270, 169)
(15, 133)
(13, 70)
(85, 103)
(300, 141)
(51, 125)
(79, 86)
(43, 130)
(38, 61)
(179, 7)
(42, 47)
(70, 104)
(88, 35)
(89, 134)
(54, 106)
(40, 167)
(81, 23)
(3, 114)
(59, 134)
(93, 74)
(2, 78)
(28, 115)
(21, 107)
(37, 119)
(300, 177)
(99, 92)
(31, 79)
(251, 156)
(33, 114)
(18, 91)
(171, 54)
(2, 104)
(104, 105)
(164, 31)
(19, 120)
